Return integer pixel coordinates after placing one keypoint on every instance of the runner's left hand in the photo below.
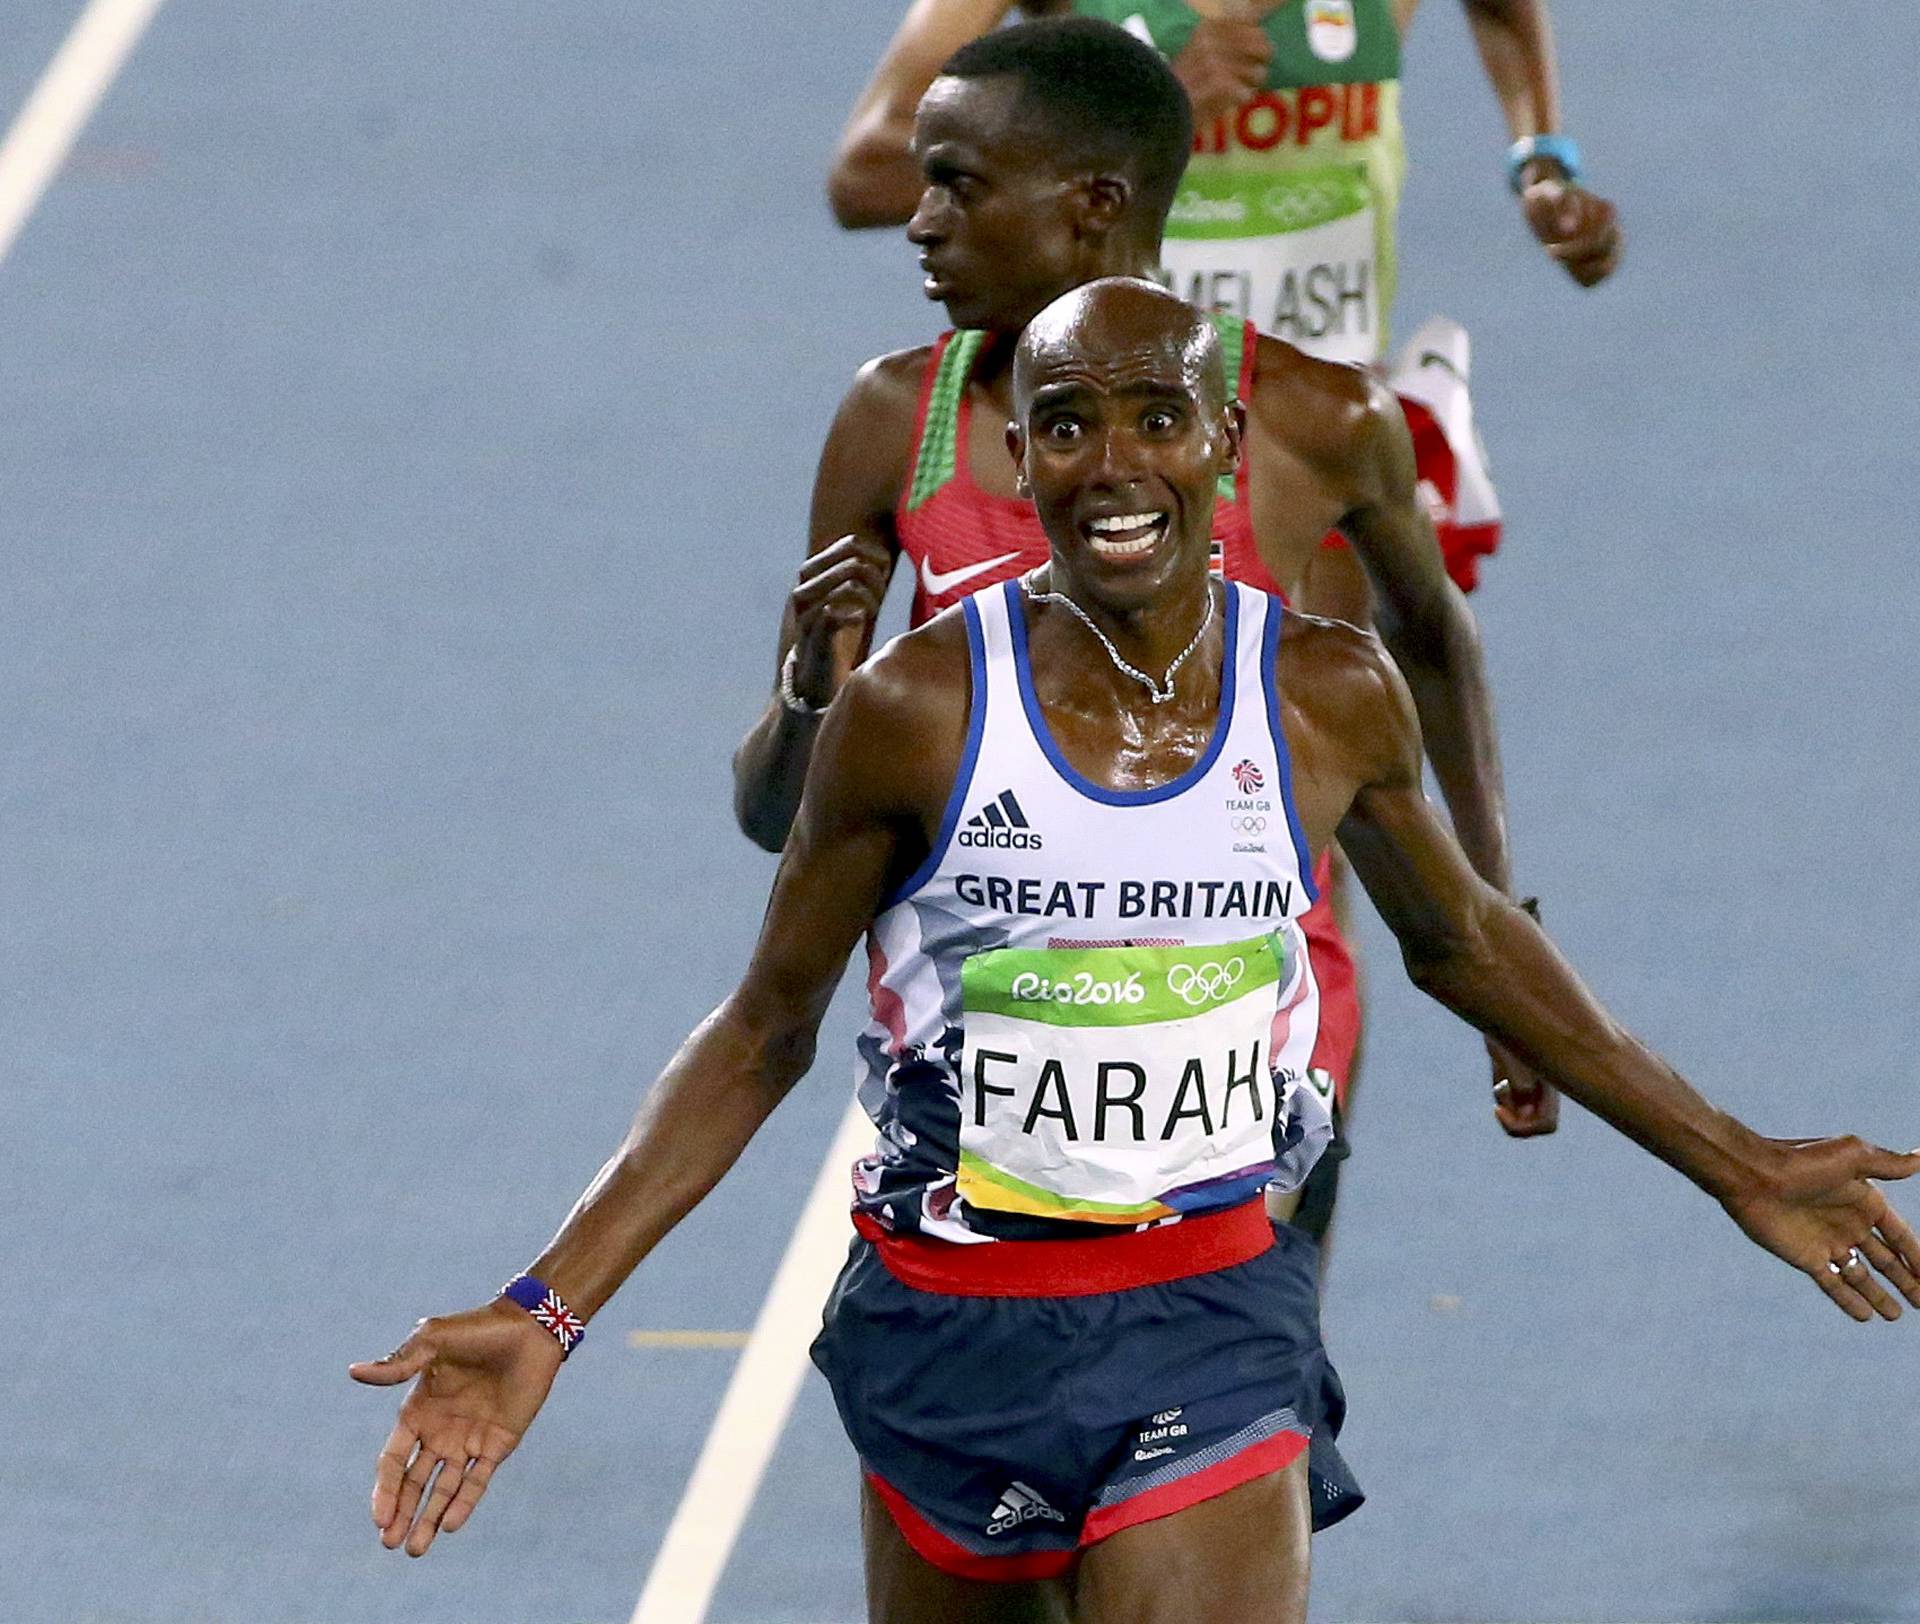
(1578, 229)
(1524, 1103)
(1813, 1204)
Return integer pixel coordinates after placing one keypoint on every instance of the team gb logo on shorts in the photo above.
(1249, 778)
(1330, 29)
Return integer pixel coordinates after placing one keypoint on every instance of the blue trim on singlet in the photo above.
(963, 776)
(1269, 656)
(1043, 736)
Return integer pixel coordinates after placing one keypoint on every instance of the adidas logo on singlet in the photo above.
(1020, 1504)
(1000, 823)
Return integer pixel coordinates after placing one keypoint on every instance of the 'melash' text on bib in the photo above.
(1295, 254)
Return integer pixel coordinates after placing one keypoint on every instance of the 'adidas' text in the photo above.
(1020, 1504)
(1000, 823)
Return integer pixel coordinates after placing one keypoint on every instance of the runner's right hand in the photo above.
(840, 587)
(1525, 1104)
(1577, 228)
(483, 1377)
(1223, 66)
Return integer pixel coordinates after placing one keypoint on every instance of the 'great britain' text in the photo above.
(1131, 899)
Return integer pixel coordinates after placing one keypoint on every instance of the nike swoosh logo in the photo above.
(938, 584)
(1436, 359)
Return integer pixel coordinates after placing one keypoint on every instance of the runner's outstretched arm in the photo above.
(829, 617)
(485, 1373)
(1577, 228)
(1807, 1201)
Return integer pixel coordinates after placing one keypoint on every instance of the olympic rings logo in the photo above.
(1250, 825)
(1198, 984)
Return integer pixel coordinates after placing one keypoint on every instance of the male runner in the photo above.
(1078, 1365)
(1052, 151)
(1287, 212)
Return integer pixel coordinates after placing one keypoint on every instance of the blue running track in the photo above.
(406, 420)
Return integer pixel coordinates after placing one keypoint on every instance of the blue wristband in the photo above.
(544, 1304)
(1562, 149)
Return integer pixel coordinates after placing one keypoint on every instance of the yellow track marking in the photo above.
(687, 1339)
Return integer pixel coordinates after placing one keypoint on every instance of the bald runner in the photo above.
(1081, 1368)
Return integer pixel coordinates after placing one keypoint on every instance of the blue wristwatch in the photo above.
(1562, 149)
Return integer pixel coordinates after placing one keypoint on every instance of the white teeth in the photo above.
(1141, 530)
(1124, 521)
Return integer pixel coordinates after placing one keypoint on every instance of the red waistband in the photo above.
(1142, 1257)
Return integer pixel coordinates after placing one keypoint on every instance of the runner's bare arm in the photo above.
(886, 754)
(893, 740)
(1351, 432)
(1578, 229)
(1336, 587)
(1807, 1201)
(874, 180)
(1515, 41)
(830, 616)
(1366, 455)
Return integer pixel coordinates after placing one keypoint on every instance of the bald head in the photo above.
(1120, 323)
(1123, 430)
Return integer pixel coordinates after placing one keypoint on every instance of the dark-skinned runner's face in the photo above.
(1002, 230)
(1122, 437)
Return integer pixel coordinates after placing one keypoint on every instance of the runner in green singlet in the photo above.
(1286, 214)
(1288, 210)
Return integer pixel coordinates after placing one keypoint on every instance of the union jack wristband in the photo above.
(544, 1304)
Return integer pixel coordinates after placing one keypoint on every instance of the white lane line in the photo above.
(758, 1400)
(62, 102)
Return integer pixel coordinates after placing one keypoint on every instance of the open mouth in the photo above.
(933, 280)
(1119, 537)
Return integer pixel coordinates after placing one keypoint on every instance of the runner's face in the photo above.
(1121, 447)
(997, 223)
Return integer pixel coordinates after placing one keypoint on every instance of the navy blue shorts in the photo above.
(1006, 1434)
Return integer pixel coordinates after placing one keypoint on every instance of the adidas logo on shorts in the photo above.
(1020, 1504)
(1000, 823)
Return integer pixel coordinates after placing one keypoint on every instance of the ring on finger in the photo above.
(1851, 1262)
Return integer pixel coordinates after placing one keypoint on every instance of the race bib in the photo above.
(1120, 1084)
(1295, 254)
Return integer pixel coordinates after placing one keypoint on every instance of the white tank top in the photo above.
(1093, 1006)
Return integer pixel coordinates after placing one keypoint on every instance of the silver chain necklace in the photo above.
(1160, 691)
